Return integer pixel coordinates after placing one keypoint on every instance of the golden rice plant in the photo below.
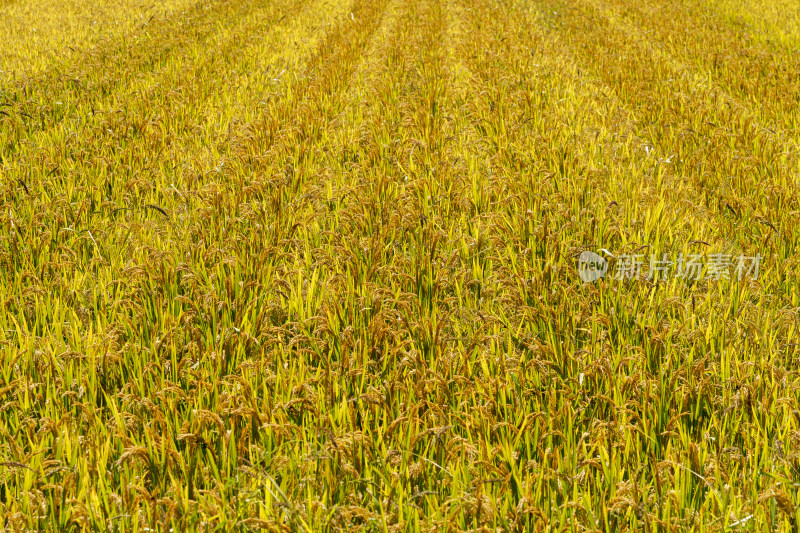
(314, 265)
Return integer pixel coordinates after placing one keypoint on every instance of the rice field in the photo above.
(321, 265)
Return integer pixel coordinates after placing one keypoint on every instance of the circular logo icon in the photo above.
(591, 266)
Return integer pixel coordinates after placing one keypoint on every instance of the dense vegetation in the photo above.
(312, 265)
